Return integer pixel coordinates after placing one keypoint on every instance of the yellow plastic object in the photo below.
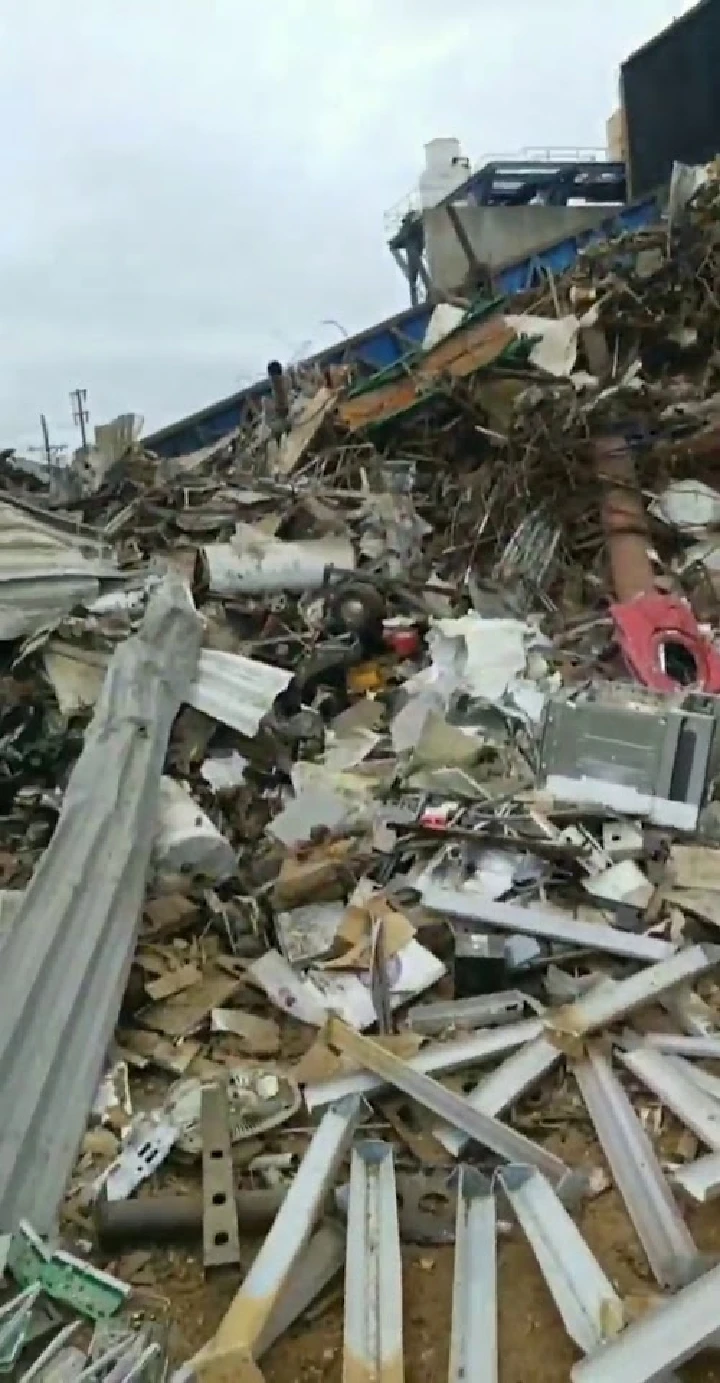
(365, 677)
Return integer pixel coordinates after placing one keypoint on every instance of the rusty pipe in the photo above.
(173, 1219)
(624, 521)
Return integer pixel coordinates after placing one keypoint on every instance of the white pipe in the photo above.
(266, 566)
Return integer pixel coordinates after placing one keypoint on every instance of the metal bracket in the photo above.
(74, 1357)
(438, 1056)
(221, 1242)
(248, 1314)
(419, 1190)
(606, 1003)
(691, 1105)
(551, 924)
(476, 1012)
(506, 1084)
(379, 978)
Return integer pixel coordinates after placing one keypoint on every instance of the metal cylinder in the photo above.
(624, 520)
(255, 565)
(173, 1219)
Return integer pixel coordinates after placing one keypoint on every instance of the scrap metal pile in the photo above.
(394, 713)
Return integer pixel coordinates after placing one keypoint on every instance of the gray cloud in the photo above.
(192, 186)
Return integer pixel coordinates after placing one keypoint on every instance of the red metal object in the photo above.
(436, 818)
(658, 634)
(662, 645)
(404, 642)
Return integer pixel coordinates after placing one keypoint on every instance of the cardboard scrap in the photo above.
(319, 873)
(695, 867)
(167, 915)
(319, 1063)
(143, 1049)
(185, 1013)
(293, 445)
(261, 1036)
(173, 982)
(701, 902)
(356, 931)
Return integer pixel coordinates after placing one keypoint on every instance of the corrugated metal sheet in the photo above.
(65, 963)
(39, 600)
(30, 534)
(10, 903)
(235, 690)
(47, 566)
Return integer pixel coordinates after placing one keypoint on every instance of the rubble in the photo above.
(359, 826)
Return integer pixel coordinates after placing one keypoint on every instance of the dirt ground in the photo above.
(533, 1345)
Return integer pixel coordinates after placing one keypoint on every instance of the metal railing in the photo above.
(546, 153)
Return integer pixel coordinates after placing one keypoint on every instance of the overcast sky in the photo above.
(191, 187)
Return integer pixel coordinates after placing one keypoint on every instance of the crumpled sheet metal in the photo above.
(66, 962)
(29, 531)
(228, 687)
(45, 570)
(235, 690)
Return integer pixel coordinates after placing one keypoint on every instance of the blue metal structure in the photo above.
(387, 342)
(517, 182)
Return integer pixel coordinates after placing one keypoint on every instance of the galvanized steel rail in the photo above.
(373, 1337)
(473, 1337)
(665, 1237)
(65, 963)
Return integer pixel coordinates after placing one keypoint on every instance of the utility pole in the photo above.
(80, 414)
(52, 451)
(46, 440)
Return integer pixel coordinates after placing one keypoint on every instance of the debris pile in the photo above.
(361, 853)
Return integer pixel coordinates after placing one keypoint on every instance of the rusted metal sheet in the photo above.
(468, 349)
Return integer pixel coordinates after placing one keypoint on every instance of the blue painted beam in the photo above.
(387, 342)
(375, 348)
(528, 272)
